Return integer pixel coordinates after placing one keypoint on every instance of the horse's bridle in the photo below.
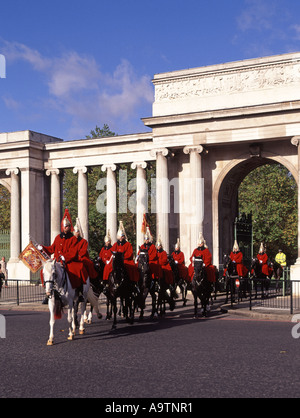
(53, 282)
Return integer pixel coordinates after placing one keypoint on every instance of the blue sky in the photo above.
(72, 65)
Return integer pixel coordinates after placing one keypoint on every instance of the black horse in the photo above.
(120, 287)
(146, 285)
(201, 287)
(232, 278)
(183, 284)
(259, 276)
(166, 294)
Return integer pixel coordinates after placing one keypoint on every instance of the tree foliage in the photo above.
(270, 194)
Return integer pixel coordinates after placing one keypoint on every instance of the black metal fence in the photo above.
(22, 291)
(281, 295)
(271, 294)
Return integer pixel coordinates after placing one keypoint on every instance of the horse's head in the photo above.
(49, 274)
(226, 260)
(143, 263)
(198, 267)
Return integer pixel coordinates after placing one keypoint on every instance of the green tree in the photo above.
(4, 208)
(270, 194)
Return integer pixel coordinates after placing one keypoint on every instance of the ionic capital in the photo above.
(83, 169)
(295, 141)
(106, 167)
(11, 171)
(159, 151)
(141, 164)
(193, 148)
(51, 171)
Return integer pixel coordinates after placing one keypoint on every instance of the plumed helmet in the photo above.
(177, 245)
(201, 239)
(148, 235)
(235, 246)
(66, 220)
(78, 228)
(159, 242)
(121, 231)
(107, 237)
(261, 248)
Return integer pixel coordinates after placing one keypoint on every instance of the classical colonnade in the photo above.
(162, 197)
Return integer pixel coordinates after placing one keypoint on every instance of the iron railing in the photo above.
(281, 295)
(22, 291)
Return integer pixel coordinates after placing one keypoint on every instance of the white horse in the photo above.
(60, 293)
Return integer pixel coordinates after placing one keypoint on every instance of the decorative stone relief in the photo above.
(228, 82)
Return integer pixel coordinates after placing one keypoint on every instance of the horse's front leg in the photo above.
(115, 310)
(195, 306)
(81, 325)
(71, 321)
(51, 305)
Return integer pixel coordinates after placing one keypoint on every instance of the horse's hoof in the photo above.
(99, 315)
(50, 342)
(81, 331)
(71, 337)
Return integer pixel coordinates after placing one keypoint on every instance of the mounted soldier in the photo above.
(148, 245)
(123, 246)
(203, 252)
(105, 256)
(236, 257)
(164, 263)
(83, 253)
(64, 249)
(178, 257)
(263, 259)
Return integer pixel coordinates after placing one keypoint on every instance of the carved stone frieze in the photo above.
(237, 80)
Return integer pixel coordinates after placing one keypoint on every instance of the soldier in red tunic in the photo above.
(123, 246)
(263, 259)
(83, 253)
(105, 256)
(178, 257)
(164, 263)
(154, 266)
(203, 251)
(237, 257)
(64, 249)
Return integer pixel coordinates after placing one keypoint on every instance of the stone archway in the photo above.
(226, 193)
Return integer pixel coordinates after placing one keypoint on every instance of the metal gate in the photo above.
(243, 233)
(5, 244)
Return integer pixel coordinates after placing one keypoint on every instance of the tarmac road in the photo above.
(222, 356)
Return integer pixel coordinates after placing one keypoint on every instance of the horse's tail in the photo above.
(93, 299)
(58, 308)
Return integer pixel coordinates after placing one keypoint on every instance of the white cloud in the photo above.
(256, 15)
(77, 87)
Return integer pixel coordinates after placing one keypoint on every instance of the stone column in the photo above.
(111, 199)
(162, 196)
(196, 190)
(15, 215)
(141, 199)
(55, 212)
(83, 203)
(295, 269)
